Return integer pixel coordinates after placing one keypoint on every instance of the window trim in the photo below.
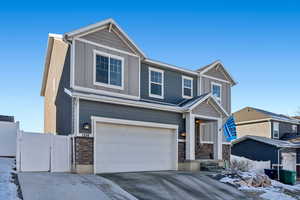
(274, 129)
(107, 85)
(200, 138)
(182, 86)
(294, 130)
(217, 84)
(162, 83)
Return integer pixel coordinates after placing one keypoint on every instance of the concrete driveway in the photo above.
(66, 186)
(174, 185)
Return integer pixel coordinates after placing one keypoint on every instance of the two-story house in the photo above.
(127, 112)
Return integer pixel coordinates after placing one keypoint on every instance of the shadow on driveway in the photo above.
(174, 185)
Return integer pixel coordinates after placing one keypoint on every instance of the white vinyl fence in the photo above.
(8, 137)
(38, 152)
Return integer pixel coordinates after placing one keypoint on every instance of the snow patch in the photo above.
(8, 190)
(271, 195)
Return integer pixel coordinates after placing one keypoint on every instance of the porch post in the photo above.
(218, 141)
(190, 136)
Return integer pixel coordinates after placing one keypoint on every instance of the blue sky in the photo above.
(258, 42)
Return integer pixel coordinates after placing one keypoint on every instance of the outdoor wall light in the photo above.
(183, 134)
(197, 121)
(86, 126)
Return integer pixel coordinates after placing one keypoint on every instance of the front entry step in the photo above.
(202, 165)
(211, 166)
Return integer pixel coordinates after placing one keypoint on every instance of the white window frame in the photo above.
(211, 89)
(200, 138)
(182, 83)
(100, 53)
(295, 128)
(277, 125)
(162, 83)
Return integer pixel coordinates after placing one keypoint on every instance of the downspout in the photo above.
(278, 163)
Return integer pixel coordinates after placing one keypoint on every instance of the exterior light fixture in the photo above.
(86, 126)
(183, 134)
(197, 121)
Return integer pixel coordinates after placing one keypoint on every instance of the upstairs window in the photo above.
(187, 87)
(108, 70)
(156, 83)
(276, 130)
(216, 90)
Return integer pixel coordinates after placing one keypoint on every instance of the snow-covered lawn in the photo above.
(8, 190)
(276, 190)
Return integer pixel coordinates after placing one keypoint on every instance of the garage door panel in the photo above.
(125, 148)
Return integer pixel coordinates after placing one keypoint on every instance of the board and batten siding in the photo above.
(108, 39)
(226, 91)
(172, 84)
(84, 71)
(87, 109)
(249, 148)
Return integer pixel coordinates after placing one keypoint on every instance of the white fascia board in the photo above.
(219, 63)
(170, 66)
(89, 27)
(102, 23)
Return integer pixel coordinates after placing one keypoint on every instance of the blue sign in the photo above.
(229, 129)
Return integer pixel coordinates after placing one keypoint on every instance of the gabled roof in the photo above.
(194, 102)
(275, 116)
(273, 142)
(217, 63)
(111, 24)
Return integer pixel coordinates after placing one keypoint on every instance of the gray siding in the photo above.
(172, 84)
(250, 148)
(91, 108)
(226, 91)
(217, 73)
(283, 128)
(63, 101)
(206, 109)
(84, 69)
(108, 39)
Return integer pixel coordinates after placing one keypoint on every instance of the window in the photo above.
(294, 128)
(108, 70)
(156, 83)
(216, 90)
(275, 130)
(187, 87)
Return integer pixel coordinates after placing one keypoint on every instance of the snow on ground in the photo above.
(8, 190)
(275, 191)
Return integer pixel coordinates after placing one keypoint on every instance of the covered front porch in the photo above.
(204, 134)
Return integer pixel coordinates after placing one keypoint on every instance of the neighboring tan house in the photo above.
(127, 112)
(253, 121)
(271, 135)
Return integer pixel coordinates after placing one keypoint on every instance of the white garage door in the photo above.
(128, 147)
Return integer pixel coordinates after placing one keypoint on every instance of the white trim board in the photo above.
(95, 27)
(109, 56)
(151, 69)
(105, 47)
(96, 119)
(182, 86)
(212, 84)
